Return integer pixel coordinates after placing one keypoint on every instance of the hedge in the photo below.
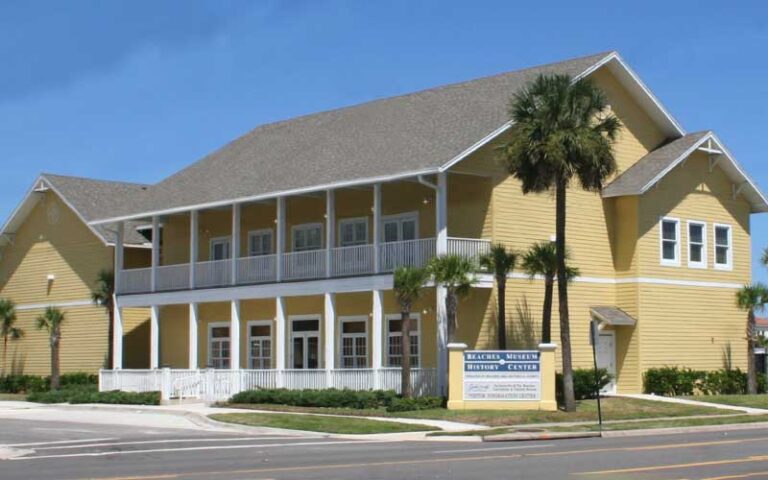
(90, 394)
(335, 398)
(36, 383)
(676, 381)
(584, 382)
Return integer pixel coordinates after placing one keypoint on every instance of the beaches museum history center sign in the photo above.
(497, 375)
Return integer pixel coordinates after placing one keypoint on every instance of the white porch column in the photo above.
(280, 333)
(441, 227)
(117, 336)
(194, 228)
(330, 332)
(119, 263)
(193, 332)
(376, 227)
(441, 213)
(234, 336)
(235, 243)
(377, 330)
(154, 337)
(155, 251)
(330, 230)
(280, 236)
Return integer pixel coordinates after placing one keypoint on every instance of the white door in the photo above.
(606, 358)
(398, 249)
(305, 344)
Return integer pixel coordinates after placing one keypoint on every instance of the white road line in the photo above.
(196, 449)
(60, 442)
(519, 447)
(69, 430)
(147, 442)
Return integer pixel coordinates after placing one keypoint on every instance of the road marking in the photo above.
(519, 447)
(194, 449)
(655, 468)
(70, 430)
(60, 442)
(148, 442)
(740, 475)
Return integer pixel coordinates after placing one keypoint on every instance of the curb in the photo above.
(680, 430)
(521, 437)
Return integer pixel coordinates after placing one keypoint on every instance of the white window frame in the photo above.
(211, 326)
(306, 226)
(347, 221)
(318, 333)
(364, 335)
(252, 234)
(400, 217)
(663, 261)
(221, 241)
(257, 323)
(703, 262)
(722, 266)
(396, 316)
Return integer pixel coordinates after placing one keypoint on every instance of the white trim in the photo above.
(249, 338)
(351, 220)
(340, 350)
(305, 227)
(396, 316)
(213, 241)
(261, 231)
(209, 338)
(485, 277)
(664, 261)
(720, 266)
(703, 225)
(71, 303)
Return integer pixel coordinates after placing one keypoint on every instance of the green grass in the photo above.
(613, 409)
(12, 396)
(753, 401)
(317, 423)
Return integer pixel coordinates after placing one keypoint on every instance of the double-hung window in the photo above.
(697, 244)
(260, 242)
(723, 247)
(353, 231)
(218, 345)
(260, 345)
(395, 343)
(308, 236)
(670, 241)
(354, 342)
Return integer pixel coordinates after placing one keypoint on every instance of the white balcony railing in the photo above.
(308, 265)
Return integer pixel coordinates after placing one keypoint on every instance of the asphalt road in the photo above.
(68, 450)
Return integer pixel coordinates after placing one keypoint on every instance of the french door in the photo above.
(305, 344)
(397, 248)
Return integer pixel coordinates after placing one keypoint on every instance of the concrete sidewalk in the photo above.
(683, 401)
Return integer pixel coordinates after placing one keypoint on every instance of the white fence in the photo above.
(173, 277)
(212, 385)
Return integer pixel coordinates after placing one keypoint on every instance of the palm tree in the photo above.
(751, 298)
(104, 295)
(561, 130)
(7, 329)
(408, 282)
(541, 260)
(764, 257)
(455, 274)
(51, 322)
(500, 261)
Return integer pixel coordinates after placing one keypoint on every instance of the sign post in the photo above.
(594, 337)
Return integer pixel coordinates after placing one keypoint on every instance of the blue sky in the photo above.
(136, 90)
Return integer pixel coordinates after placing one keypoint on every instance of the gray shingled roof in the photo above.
(418, 132)
(635, 178)
(612, 316)
(93, 199)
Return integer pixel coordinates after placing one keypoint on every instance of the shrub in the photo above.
(419, 403)
(90, 394)
(331, 397)
(584, 382)
(672, 381)
(36, 383)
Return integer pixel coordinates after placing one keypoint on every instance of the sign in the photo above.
(502, 375)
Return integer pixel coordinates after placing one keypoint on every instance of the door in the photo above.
(606, 358)
(305, 344)
(398, 249)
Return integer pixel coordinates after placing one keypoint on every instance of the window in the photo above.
(697, 244)
(670, 241)
(308, 236)
(220, 248)
(260, 344)
(723, 251)
(353, 231)
(218, 346)
(399, 228)
(354, 342)
(395, 344)
(260, 242)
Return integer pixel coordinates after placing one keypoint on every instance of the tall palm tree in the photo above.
(561, 130)
(7, 329)
(500, 261)
(408, 283)
(104, 295)
(456, 274)
(541, 260)
(752, 298)
(764, 257)
(51, 322)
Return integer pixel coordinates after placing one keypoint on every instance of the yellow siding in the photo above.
(135, 338)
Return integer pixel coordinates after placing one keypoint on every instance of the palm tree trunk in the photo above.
(546, 314)
(562, 295)
(751, 368)
(405, 365)
(450, 309)
(55, 363)
(501, 283)
(5, 353)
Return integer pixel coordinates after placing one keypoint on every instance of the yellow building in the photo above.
(272, 257)
(50, 256)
